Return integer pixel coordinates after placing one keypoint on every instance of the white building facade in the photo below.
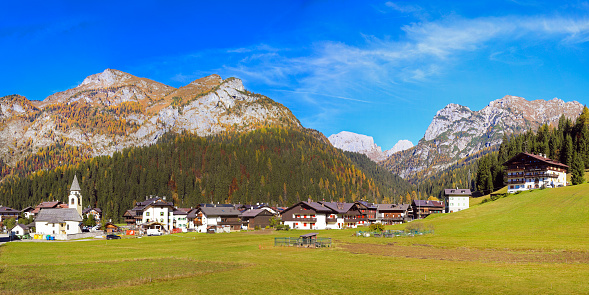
(457, 199)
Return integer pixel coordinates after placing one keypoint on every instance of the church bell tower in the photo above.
(75, 198)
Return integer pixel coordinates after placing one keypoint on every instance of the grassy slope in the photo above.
(541, 219)
(543, 227)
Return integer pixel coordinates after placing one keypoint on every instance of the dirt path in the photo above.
(467, 254)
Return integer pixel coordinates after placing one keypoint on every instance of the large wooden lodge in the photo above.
(528, 171)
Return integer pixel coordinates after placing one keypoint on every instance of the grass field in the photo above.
(536, 242)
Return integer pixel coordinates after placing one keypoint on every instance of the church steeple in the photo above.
(75, 198)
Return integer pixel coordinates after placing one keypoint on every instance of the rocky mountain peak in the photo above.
(108, 78)
(213, 79)
(444, 118)
(359, 143)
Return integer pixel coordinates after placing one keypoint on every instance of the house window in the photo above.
(72, 201)
(147, 214)
(68, 227)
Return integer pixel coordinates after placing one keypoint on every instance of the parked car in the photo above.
(112, 237)
(154, 232)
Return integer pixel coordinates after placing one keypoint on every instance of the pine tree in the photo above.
(578, 170)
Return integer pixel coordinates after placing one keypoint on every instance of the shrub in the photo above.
(377, 227)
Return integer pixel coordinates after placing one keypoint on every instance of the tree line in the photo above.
(273, 165)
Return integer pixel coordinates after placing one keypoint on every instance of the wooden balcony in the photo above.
(331, 220)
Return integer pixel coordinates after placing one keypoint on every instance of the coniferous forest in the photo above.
(271, 165)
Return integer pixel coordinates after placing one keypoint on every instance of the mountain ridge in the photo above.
(457, 132)
(112, 110)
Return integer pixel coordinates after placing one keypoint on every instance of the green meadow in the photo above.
(534, 242)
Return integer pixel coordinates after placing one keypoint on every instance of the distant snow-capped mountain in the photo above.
(359, 143)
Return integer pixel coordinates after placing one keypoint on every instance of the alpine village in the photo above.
(114, 183)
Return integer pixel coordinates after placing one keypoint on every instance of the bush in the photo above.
(377, 227)
(257, 227)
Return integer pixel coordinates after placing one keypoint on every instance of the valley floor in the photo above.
(248, 263)
(530, 243)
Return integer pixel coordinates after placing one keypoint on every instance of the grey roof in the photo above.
(25, 227)
(58, 215)
(426, 203)
(254, 212)
(393, 207)
(317, 206)
(457, 191)
(220, 211)
(75, 185)
(339, 207)
(8, 210)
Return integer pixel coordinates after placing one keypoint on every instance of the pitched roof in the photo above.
(317, 206)
(426, 203)
(339, 207)
(90, 209)
(462, 192)
(180, 212)
(8, 210)
(536, 157)
(254, 212)
(58, 215)
(219, 211)
(25, 227)
(393, 207)
(75, 185)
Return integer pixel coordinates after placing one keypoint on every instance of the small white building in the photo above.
(19, 230)
(218, 218)
(181, 218)
(159, 211)
(63, 221)
(457, 199)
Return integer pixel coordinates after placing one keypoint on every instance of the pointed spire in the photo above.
(75, 185)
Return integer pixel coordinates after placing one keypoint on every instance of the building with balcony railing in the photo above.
(528, 171)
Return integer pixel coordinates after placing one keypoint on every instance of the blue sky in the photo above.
(380, 68)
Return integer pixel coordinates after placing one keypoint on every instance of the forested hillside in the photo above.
(279, 166)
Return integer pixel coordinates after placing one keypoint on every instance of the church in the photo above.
(63, 221)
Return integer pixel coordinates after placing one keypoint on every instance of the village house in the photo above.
(62, 221)
(218, 219)
(94, 212)
(367, 209)
(48, 205)
(423, 208)
(154, 212)
(7, 212)
(528, 171)
(181, 218)
(257, 218)
(323, 215)
(309, 215)
(27, 212)
(393, 213)
(344, 215)
(20, 230)
(457, 199)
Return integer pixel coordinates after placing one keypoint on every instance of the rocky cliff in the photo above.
(359, 143)
(456, 132)
(113, 110)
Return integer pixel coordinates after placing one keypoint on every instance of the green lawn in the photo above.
(535, 242)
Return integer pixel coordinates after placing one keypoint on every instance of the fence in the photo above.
(302, 242)
(393, 233)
